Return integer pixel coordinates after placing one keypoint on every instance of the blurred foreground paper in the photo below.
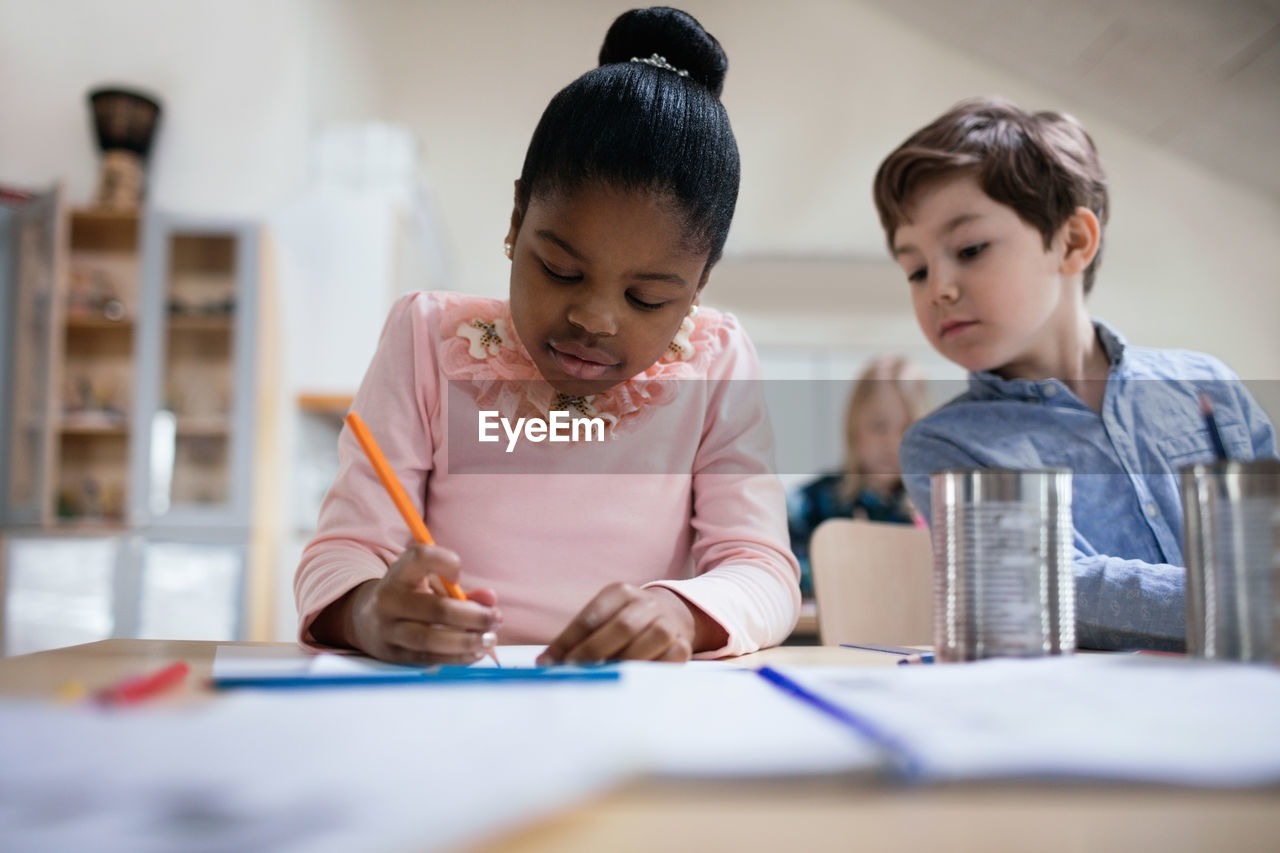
(318, 771)
(1094, 717)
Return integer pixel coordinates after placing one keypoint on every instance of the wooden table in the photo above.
(786, 815)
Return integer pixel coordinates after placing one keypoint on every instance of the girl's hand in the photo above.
(408, 617)
(623, 622)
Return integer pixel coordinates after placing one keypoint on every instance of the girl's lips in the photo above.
(577, 366)
(955, 327)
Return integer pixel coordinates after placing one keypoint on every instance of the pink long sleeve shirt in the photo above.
(679, 493)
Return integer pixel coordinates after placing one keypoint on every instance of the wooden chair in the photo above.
(873, 582)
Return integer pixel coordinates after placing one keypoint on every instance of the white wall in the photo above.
(819, 91)
(231, 75)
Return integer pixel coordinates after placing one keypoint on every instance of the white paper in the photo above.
(699, 719)
(316, 770)
(1089, 717)
(247, 662)
(725, 722)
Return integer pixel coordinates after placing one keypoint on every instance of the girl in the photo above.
(663, 539)
(887, 398)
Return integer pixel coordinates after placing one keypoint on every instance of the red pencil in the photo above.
(142, 687)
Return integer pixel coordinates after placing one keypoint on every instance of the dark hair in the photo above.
(1043, 165)
(640, 126)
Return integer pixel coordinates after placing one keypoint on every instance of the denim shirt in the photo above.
(1126, 504)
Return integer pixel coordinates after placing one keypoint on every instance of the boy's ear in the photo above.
(1082, 236)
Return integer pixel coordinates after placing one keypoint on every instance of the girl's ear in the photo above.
(517, 216)
(1082, 236)
(702, 282)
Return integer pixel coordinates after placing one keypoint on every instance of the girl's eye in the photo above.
(645, 306)
(968, 253)
(917, 276)
(555, 276)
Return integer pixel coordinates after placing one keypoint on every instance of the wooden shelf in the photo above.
(99, 230)
(93, 425)
(97, 526)
(203, 427)
(325, 404)
(196, 323)
(105, 214)
(78, 323)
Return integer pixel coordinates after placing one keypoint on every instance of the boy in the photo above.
(996, 216)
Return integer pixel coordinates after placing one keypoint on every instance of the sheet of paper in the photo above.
(700, 719)
(318, 770)
(248, 662)
(1091, 717)
(237, 661)
(724, 722)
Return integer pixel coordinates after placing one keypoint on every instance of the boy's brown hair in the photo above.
(1043, 165)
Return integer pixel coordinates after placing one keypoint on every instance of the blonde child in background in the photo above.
(886, 398)
(666, 539)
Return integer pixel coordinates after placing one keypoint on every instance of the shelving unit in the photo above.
(198, 354)
(128, 416)
(96, 365)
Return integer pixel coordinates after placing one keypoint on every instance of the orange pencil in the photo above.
(400, 498)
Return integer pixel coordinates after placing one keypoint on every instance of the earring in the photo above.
(681, 348)
(508, 250)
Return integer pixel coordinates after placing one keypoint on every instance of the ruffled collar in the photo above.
(481, 350)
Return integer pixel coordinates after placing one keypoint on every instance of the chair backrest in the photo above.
(872, 582)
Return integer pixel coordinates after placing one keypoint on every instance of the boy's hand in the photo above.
(623, 622)
(407, 616)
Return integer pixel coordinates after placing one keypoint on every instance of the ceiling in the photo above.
(1200, 78)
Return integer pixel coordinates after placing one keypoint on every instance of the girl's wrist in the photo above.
(338, 624)
(704, 633)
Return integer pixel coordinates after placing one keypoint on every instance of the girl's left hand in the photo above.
(624, 622)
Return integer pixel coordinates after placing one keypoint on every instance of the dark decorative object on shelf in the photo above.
(213, 308)
(125, 122)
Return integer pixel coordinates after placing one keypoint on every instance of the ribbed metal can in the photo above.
(1231, 543)
(1002, 563)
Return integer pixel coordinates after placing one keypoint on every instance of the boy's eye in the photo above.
(968, 253)
(557, 276)
(641, 304)
(917, 276)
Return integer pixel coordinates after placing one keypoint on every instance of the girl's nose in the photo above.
(594, 315)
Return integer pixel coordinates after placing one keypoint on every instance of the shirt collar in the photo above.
(986, 385)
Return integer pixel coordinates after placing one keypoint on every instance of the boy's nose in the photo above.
(943, 289)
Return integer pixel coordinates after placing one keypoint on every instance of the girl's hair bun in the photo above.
(674, 35)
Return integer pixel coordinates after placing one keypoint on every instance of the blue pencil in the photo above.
(1211, 423)
(901, 758)
(923, 657)
(450, 675)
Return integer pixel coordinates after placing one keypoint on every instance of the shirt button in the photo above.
(1153, 510)
(1051, 391)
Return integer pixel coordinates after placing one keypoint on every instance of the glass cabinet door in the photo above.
(196, 414)
(28, 255)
